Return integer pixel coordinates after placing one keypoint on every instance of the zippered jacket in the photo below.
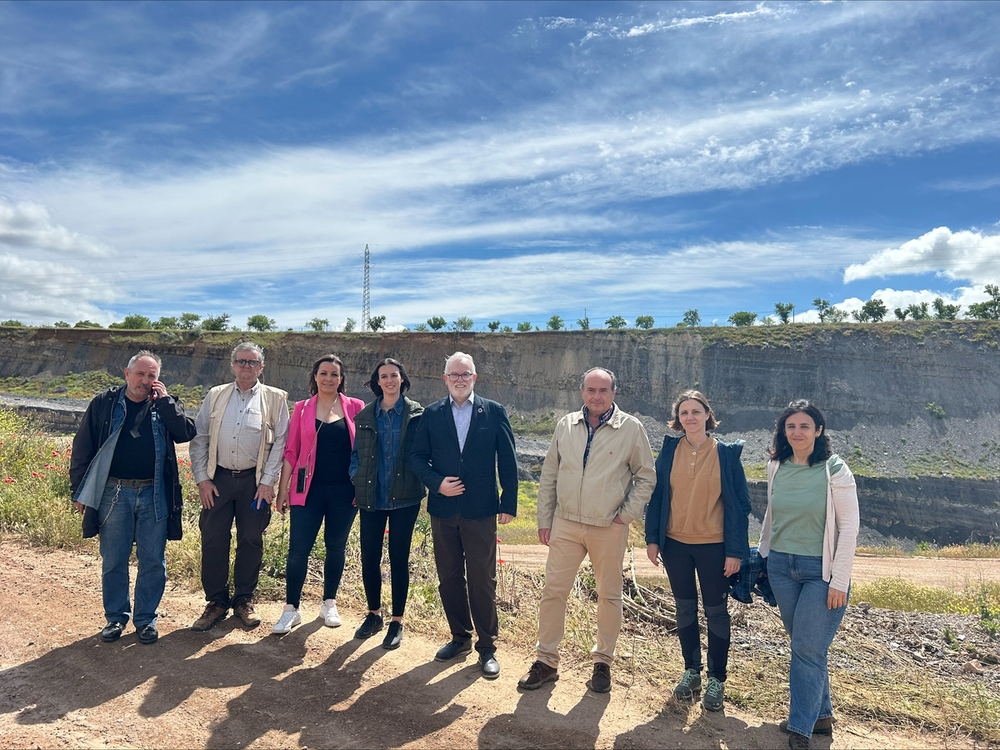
(94, 447)
(406, 488)
(735, 497)
(618, 479)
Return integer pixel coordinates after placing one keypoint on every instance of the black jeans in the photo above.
(465, 548)
(333, 503)
(235, 501)
(681, 561)
(373, 522)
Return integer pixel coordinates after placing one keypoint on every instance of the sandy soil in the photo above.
(60, 686)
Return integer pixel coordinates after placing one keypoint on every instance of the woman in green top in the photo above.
(809, 534)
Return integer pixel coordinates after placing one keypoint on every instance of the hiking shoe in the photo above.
(112, 632)
(822, 726)
(371, 625)
(798, 741)
(290, 617)
(248, 616)
(538, 675)
(393, 636)
(600, 680)
(689, 686)
(328, 611)
(148, 635)
(715, 691)
(213, 613)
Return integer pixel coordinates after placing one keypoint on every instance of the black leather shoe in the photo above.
(148, 635)
(112, 632)
(489, 664)
(452, 650)
(393, 636)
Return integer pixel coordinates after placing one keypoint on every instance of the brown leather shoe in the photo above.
(210, 617)
(245, 611)
(538, 675)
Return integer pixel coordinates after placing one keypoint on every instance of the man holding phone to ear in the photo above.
(124, 480)
(236, 460)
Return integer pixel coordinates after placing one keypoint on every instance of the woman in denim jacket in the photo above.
(697, 521)
(809, 535)
(387, 492)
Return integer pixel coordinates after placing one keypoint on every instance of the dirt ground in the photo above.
(946, 573)
(61, 687)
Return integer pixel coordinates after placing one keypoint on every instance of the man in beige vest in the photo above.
(236, 458)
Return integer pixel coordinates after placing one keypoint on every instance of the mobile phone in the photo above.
(300, 480)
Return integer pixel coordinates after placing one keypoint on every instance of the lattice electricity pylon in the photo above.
(366, 295)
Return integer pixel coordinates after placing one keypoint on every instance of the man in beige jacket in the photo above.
(597, 478)
(236, 459)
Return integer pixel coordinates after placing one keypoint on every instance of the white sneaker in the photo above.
(290, 617)
(329, 613)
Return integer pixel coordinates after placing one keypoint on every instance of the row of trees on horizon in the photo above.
(872, 311)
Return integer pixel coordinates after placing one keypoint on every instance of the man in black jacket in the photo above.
(123, 475)
(461, 444)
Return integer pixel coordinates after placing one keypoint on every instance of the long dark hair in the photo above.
(332, 359)
(780, 448)
(373, 385)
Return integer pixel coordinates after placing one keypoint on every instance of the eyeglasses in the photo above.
(453, 376)
(246, 362)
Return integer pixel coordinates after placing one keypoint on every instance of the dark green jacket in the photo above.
(406, 489)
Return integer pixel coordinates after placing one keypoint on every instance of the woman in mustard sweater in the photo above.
(697, 521)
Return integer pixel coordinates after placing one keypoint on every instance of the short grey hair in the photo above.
(460, 355)
(246, 346)
(145, 353)
(614, 378)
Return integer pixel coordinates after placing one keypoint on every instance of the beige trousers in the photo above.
(569, 543)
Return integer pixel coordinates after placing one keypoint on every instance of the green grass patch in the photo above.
(542, 426)
(906, 596)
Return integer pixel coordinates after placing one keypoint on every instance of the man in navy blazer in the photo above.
(462, 443)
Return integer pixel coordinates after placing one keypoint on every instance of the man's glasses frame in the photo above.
(247, 363)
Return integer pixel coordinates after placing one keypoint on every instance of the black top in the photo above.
(135, 457)
(333, 453)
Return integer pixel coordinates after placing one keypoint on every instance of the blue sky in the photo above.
(503, 161)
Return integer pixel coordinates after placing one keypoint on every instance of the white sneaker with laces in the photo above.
(328, 612)
(290, 617)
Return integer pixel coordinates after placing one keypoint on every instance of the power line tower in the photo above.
(366, 295)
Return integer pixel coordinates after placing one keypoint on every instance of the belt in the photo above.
(237, 474)
(134, 484)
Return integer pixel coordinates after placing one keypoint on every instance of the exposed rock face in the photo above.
(863, 376)
(860, 374)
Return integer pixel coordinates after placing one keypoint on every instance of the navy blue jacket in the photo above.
(735, 498)
(489, 450)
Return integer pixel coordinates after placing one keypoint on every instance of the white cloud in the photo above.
(27, 226)
(964, 255)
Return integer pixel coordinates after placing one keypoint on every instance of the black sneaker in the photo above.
(393, 636)
(600, 681)
(371, 625)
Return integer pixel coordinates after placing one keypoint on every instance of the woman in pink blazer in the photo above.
(316, 486)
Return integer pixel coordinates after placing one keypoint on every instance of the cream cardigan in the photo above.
(843, 519)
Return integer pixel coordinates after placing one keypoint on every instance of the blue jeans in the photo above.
(798, 585)
(128, 516)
